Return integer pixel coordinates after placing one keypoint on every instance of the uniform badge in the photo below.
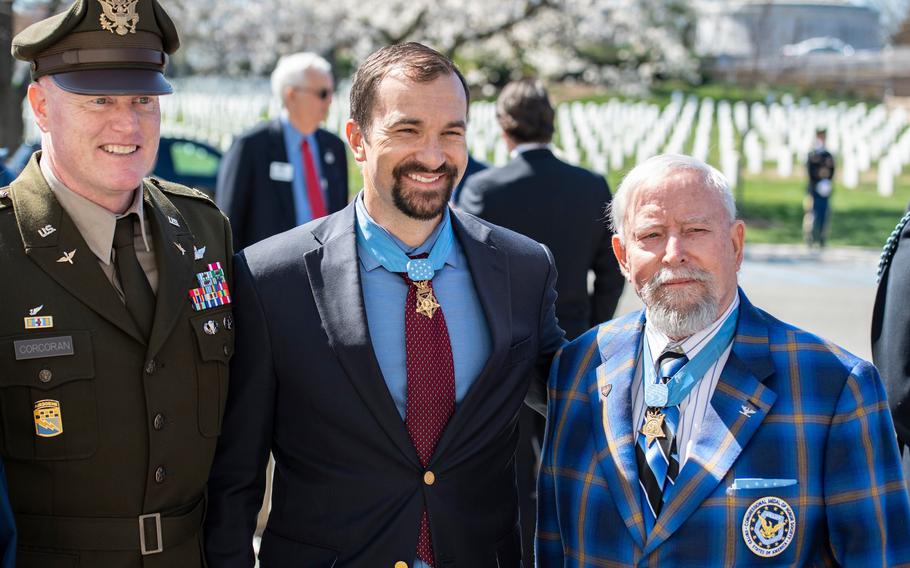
(213, 289)
(210, 327)
(768, 526)
(46, 231)
(198, 253)
(67, 256)
(43, 322)
(173, 221)
(119, 16)
(48, 419)
(180, 248)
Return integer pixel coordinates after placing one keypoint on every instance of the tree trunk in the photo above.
(10, 99)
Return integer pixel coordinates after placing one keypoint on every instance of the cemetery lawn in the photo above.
(773, 209)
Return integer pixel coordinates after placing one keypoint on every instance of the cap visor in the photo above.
(114, 82)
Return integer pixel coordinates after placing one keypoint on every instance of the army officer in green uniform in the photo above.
(115, 318)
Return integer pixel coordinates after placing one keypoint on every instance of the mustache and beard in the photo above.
(421, 204)
(680, 312)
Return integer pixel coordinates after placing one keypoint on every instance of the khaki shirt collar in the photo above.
(95, 223)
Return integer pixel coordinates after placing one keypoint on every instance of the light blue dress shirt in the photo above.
(384, 294)
(293, 141)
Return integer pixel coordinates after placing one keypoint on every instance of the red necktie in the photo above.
(311, 180)
(431, 383)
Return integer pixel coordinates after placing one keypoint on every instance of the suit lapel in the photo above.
(490, 273)
(738, 407)
(334, 274)
(175, 268)
(36, 207)
(619, 343)
(278, 152)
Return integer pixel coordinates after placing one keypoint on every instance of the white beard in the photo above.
(681, 314)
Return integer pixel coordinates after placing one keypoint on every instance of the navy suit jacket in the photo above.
(349, 489)
(259, 206)
(562, 206)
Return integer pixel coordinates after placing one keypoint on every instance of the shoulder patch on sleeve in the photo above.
(181, 190)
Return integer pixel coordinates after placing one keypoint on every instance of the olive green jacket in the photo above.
(99, 426)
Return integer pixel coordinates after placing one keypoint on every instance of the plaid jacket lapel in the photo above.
(619, 346)
(738, 407)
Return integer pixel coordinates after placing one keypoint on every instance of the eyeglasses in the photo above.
(322, 93)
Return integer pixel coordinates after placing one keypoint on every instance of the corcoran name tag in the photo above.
(46, 347)
(281, 171)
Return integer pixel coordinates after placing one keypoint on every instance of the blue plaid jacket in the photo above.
(789, 406)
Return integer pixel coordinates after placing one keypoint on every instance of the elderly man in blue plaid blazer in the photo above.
(703, 431)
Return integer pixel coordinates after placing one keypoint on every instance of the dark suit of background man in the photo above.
(387, 389)
(563, 207)
(112, 380)
(891, 332)
(286, 172)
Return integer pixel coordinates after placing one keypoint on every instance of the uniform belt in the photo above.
(147, 534)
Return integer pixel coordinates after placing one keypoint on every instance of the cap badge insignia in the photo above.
(768, 526)
(48, 419)
(119, 16)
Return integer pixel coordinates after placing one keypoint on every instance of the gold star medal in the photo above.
(426, 301)
(654, 426)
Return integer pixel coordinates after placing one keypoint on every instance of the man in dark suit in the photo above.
(384, 353)
(286, 172)
(891, 332)
(561, 206)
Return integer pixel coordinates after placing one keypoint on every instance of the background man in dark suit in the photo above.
(386, 382)
(891, 332)
(561, 206)
(288, 171)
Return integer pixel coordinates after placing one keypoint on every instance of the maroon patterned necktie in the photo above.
(431, 383)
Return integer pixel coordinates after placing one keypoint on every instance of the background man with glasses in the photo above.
(288, 171)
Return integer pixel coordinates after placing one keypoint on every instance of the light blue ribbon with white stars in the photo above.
(387, 253)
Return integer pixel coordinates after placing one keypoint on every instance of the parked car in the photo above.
(180, 160)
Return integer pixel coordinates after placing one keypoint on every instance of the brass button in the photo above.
(228, 322)
(227, 350)
(401, 564)
(429, 478)
(160, 474)
(158, 423)
(151, 367)
(45, 376)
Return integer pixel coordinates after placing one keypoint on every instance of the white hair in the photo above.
(291, 71)
(660, 167)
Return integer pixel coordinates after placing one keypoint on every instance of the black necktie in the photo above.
(137, 292)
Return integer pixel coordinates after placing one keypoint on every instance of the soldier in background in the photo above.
(820, 167)
(116, 322)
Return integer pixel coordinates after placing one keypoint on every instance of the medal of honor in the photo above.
(653, 427)
(426, 301)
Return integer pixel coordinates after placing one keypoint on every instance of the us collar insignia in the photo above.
(119, 16)
(173, 221)
(768, 526)
(46, 231)
(67, 256)
(48, 418)
(213, 289)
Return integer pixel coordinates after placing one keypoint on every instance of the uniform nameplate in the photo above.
(281, 171)
(45, 347)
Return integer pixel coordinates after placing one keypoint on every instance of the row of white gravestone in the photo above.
(609, 136)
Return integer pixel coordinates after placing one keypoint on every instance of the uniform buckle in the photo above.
(159, 545)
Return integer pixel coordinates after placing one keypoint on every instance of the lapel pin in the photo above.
(35, 311)
(747, 410)
(46, 231)
(173, 221)
(180, 248)
(198, 253)
(605, 390)
(67, 256)
(329, 157)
